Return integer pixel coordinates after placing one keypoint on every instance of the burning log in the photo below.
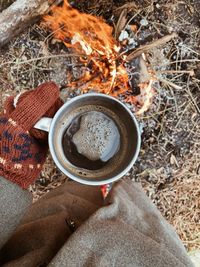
(20, 15)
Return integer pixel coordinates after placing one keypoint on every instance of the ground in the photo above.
(169, 163)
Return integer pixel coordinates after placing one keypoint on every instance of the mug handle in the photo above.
(44, 124)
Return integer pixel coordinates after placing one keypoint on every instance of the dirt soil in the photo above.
(169, 162)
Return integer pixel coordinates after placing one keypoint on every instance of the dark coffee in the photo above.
(91, 140)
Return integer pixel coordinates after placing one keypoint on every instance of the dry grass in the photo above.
(169, 162)
(179, 201)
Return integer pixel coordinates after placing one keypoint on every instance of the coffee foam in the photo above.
(98, 136)
(112, 165)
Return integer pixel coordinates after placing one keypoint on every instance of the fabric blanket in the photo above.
(74, 226)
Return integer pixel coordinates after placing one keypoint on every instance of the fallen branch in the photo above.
(19, 16)
(144, 48)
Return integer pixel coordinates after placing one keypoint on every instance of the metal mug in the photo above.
(129, 134)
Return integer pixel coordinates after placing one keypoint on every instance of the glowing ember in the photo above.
(105, 69)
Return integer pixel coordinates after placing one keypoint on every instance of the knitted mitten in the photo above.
(23, 149)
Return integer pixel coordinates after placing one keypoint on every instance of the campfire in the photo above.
(103, 59)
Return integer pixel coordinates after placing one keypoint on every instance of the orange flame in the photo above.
(86, 34)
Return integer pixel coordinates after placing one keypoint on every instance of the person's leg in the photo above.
(49, 223)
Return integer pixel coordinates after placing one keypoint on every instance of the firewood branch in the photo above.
(144, 48)
(20, 15)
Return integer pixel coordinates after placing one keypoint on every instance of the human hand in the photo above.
(23, 149)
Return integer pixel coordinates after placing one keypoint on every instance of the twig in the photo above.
(145, 48)
(191, 96)
(190, 72)
(155, 113)
(180, 61)
(41, 58)
(188, 48)
(54, 3)
(162, 122)
(135, 15)
(175, 86)
(121, 23)
(128, 6)
(181, 116)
